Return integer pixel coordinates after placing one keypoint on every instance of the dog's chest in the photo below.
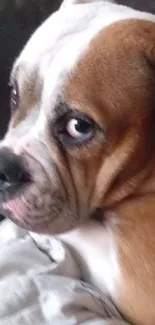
(95, 252)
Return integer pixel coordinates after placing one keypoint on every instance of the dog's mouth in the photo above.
(24, 202)
(36, 209)
(23, 209)
(38, 202)
(12, 202)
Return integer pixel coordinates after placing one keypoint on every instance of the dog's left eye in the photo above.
(14, 97)
(76, 130)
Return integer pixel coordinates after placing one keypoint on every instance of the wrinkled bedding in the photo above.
(40, 284)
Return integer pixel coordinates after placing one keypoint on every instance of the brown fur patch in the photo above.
(114, 83)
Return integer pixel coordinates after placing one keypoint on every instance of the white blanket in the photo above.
(41, 286)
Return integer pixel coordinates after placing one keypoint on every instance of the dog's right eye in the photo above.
(14, 97)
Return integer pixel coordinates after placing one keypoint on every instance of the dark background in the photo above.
(18, 19)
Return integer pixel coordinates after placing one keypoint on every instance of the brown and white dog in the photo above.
(82, 141)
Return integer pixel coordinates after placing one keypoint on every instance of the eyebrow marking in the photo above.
(61, 109)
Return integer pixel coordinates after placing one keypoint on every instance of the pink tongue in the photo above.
(15, 206)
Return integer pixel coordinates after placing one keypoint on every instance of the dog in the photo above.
(79, 152)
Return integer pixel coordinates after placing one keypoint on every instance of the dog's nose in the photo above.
(12, 170)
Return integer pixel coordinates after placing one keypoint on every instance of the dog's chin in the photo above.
(48, 227)
(45, 213)
(17, 211)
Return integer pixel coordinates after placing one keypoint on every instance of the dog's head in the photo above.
(82, 127)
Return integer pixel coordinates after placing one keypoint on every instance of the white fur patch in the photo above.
(96, 253)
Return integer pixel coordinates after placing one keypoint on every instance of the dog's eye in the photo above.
(14, 97)
(77, 127)
(76, 130)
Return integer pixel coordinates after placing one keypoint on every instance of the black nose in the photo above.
(12, 170)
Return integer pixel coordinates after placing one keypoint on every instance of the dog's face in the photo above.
(82, 120)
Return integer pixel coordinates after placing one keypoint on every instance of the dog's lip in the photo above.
(16, 211)
(10, 197)
(14, 206)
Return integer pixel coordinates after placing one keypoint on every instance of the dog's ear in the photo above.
(65, 3)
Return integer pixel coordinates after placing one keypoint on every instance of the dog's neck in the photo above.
(130, 203)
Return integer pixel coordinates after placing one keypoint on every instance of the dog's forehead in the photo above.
(58, 32)
(55, 47)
